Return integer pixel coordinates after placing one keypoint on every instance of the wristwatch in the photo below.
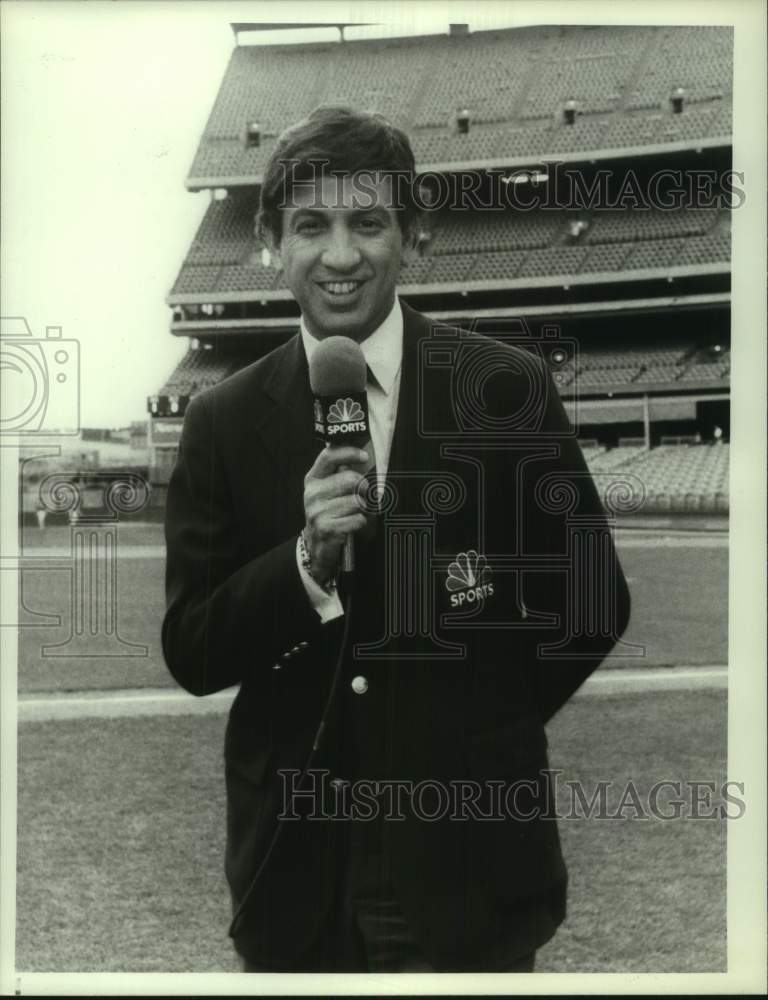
(329, 585)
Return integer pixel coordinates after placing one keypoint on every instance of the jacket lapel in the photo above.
(413, 455)
(287, 430)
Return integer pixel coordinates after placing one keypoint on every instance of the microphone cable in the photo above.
(316, 742)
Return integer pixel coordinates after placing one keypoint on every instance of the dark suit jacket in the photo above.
(483, 464)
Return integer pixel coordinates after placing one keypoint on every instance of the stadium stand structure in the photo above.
(643, 291)
(478, 248)
(678, 478)
(513, 82)
(202, 367)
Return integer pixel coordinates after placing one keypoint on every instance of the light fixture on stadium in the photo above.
(176, 404)
(158, 406)
(462, 121)
(252, 135)
(569, 111)
(677, 100)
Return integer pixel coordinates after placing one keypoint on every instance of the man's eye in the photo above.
(309, 226)
(372, 224)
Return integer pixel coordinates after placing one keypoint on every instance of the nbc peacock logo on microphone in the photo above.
(342, 419)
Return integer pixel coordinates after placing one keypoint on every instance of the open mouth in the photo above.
(341, 289)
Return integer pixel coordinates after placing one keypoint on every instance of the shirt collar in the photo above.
(383, 350)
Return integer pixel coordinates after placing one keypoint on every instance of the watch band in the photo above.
(329, 585)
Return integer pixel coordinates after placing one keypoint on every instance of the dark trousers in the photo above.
(369, 932)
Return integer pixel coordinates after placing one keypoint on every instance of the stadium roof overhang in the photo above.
(240, 26)
(624, 307)
(564, 281)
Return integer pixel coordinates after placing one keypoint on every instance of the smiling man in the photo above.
(340, 248)
(423, 836)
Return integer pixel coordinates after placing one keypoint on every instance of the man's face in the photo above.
(341, 251)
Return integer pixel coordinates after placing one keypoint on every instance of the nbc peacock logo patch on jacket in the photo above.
(469, 579)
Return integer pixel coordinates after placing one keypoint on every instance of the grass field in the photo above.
(121, 821)
(680, 602)
(121, 824)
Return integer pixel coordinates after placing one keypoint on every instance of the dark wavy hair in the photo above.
(342, 140)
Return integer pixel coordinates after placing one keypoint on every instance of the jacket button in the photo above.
(277, 666)
(359, 684)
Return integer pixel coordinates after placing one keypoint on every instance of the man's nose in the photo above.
(340, 252)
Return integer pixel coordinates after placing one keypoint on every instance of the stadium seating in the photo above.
(615, 226)
(594, 371)
(698, 59)
(199, 369)
(644, 367)
(477, 246)
(514, 83)
(678, 478)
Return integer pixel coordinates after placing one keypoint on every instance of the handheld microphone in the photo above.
(337, 377)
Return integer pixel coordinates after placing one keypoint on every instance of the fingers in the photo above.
(328, 510)
(330, 460)
(336, 529)
(345, 483)
(335, 492)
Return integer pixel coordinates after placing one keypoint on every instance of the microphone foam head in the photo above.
(337, 365)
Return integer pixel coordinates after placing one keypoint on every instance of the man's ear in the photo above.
(411, 238)
(267, 238)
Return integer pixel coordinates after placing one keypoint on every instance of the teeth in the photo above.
(340, 287)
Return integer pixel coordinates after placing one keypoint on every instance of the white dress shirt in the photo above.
(383, 353)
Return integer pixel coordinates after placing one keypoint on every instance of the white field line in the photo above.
(625, 540)
(149, 702)
(117, 704)
(617, 681)
(28, 557)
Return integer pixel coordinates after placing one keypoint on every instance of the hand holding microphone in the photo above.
(332, 505)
